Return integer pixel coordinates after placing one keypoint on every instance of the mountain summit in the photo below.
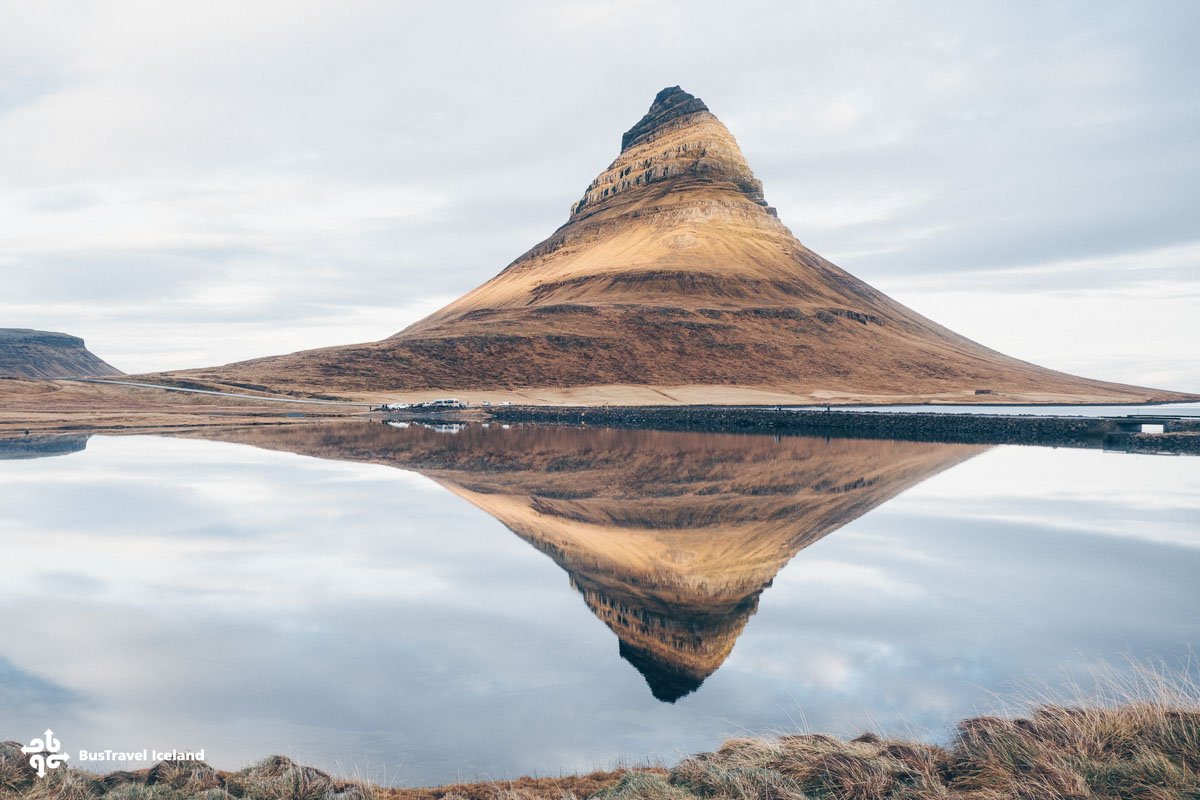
(673, 273)
(670, 104)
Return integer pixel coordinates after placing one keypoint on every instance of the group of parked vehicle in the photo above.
(445, 402)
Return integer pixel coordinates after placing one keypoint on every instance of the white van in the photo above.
(445, 402)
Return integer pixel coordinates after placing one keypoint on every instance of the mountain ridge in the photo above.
(672, 270)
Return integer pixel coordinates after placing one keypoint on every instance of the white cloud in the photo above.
(153, 157)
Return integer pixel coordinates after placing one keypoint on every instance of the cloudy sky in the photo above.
(186, 185)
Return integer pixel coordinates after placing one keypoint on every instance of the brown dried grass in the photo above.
(1138, 740)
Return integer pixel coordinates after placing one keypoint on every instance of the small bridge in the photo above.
(1129, 433)
(1140, 424)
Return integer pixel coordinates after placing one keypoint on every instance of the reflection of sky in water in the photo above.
(160, 592)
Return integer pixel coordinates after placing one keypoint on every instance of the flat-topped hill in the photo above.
(26, 353)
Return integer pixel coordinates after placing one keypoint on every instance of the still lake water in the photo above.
(418, 607)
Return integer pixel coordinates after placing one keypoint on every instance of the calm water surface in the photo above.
(418, 607)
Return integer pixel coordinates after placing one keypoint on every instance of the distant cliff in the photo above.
(27, 353)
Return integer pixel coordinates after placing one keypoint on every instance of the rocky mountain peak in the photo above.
(670, 104)
(678, 141)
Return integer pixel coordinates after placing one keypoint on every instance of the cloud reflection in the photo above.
(357, 615)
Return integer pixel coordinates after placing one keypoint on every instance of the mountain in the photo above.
(670, 538)
(673, 271)
(27, 353)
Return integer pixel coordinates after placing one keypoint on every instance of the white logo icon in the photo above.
(45, 754)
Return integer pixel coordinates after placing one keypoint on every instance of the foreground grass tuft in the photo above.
(1134, 751)
(275, 778)
(1140, 751)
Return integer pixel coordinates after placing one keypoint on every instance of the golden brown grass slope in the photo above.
(672, 271)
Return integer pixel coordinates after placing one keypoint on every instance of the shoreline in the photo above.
(60, 407)
(1180, 435)
(127, 406)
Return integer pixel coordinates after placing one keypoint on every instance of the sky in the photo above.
(189, 185)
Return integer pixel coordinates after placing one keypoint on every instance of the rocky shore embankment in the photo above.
(1180, 435)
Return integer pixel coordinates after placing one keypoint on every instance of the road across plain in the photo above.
(223, 394)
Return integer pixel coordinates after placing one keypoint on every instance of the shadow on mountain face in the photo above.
(670, 538)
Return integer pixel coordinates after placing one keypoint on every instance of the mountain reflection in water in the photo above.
(41, 445)
(669, 537)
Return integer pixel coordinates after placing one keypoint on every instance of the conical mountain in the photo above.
(672, 271)
(670, 538)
